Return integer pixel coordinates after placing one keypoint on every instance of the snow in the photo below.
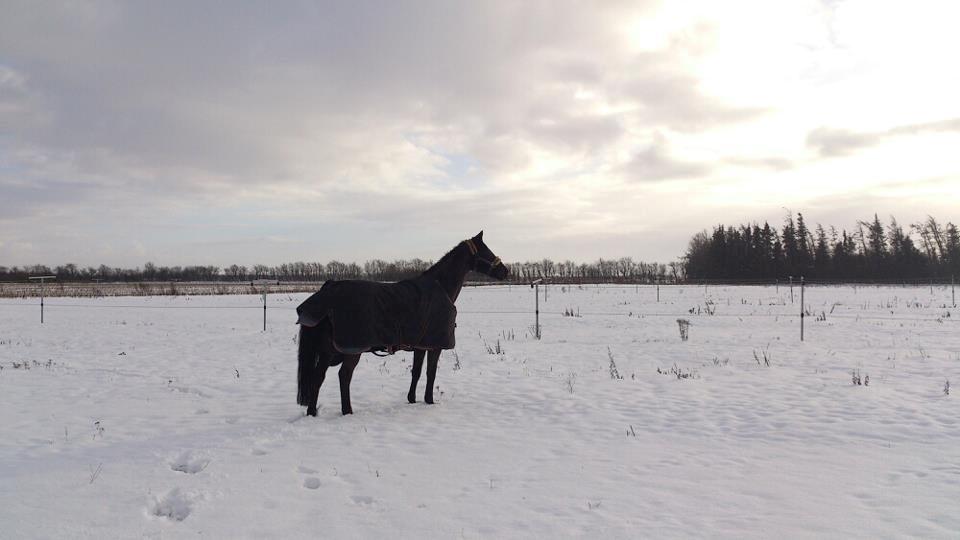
(168, 417)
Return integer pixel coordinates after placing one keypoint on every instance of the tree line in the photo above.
(603, 270)
(872, 251)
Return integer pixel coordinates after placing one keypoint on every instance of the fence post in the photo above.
(791, 289)
(536, 296)
(42, 279)
(802, 310)
(537, 311)
(953, 290)
(658, 292)
(264, 283)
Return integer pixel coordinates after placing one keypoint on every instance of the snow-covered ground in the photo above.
(121, 419)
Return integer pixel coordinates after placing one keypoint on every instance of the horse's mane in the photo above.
(443, 260)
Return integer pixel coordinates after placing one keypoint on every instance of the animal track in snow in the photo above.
(189, 390)
(311, 482)
(175, 505)
(189, 463)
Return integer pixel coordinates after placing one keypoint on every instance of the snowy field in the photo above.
(175, 417)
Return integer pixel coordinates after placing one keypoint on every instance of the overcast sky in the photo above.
(219, 133)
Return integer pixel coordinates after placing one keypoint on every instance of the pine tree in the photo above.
(822, 254)
(804, 248)
(776, 253)
(841, 256)
(953, 248)
(875, 246)
(718, 253)
(905, 260)
(872, 251)
(764, 240)
(789, 238)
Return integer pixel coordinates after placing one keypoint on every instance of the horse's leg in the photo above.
(432, 358)
(320, 374)
(418, 355)
(350, 362)
(313, 358)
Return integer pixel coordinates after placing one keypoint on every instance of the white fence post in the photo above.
(265, 283)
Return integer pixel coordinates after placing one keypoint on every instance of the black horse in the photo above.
(345, 319)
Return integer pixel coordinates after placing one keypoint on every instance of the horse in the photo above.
(347, 318)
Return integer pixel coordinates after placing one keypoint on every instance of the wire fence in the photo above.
(796, 312)
(121, 306)
(20, 289)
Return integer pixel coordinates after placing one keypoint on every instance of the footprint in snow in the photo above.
(189, 463)
(174, 505)
(311, 482)
(364, 500)
(306, 470)
(297, 418)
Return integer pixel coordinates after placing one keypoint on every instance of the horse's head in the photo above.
(484, 261)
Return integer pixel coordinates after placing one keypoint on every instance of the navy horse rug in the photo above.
(370, 316)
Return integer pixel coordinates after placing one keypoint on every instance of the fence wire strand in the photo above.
(639, 315)
(528, 312)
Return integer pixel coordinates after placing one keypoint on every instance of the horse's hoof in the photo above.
(346, 412)
(411, 399)
(312, 411)
(428, 401)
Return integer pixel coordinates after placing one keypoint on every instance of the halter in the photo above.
(471, 245)
(475, 252)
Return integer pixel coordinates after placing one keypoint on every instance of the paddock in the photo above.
(177, 416)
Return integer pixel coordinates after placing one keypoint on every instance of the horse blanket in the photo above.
(371, 316)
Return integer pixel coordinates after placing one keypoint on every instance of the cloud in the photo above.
(829, 142)
(949, 125)
(195, 105)
(135, 124)
(672, 99)
(246, 94)
(769, 163)
(575, 133)
(655, 163)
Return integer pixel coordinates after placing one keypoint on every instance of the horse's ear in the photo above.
(479, 236)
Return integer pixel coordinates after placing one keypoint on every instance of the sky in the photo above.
(266, 132)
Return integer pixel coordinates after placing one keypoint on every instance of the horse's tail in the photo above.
(308, 353)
